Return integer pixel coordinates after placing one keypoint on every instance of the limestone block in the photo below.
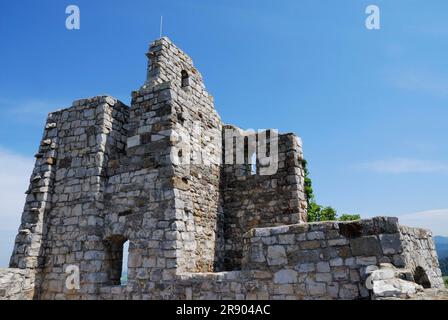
(365, 246)
(336, 262)
(348, 291)
(366, 261)
(305, 267)
(323, 267)
(390, 243)
(338, 242)
(324, 277)
(133, 141)
(285, 276)
(276, 255)
(315, 235)
(316, 289)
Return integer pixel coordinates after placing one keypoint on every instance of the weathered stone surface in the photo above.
(390, 243)
(323, 267)
(316, 289)
(365, 246)
(285, 276)
(133, 141)
(394, 288)
(276, 256)
(16, 284)
(324, 277)
(201, 221)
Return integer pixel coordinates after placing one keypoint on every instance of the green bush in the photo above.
(317, 212)
(349, 217)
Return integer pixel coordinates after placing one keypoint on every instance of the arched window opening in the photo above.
(117, 248)
(185, 79)
(421, 278)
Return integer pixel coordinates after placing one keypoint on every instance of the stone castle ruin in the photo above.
(204, 220)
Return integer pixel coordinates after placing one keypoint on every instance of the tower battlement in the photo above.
(168, 63)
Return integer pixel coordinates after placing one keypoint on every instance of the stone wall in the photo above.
(139, 197)
(196, 139)
(327, 260)
(254, 200)
(17, 284)
(199, 226)
(420, 256)
(65, 195)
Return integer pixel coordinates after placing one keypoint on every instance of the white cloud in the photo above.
(406, 165)
(15, 171)
(29, 111)
(419, 81)
(434, 29)
(435, 220)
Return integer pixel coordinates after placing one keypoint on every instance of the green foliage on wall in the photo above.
(349, 217)
(317, 212)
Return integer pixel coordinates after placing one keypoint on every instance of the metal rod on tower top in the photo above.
(161, 26)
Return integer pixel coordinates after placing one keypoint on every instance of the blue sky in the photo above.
(370, 105)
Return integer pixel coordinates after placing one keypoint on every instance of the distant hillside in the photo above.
(441, 240)
(442, 252)
(441, 246)
(444, 266)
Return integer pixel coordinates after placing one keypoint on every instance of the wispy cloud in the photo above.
(436, 29)
(435, 220)
(31, 108)
(422, 81)
(28, 110)
(405, 165)
(14, 178)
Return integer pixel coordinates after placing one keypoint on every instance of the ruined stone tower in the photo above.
(203, 219)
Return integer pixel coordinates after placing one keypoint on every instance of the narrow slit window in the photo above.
(185, 79)
(124, 264)
(253, 164)
(117, 257)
